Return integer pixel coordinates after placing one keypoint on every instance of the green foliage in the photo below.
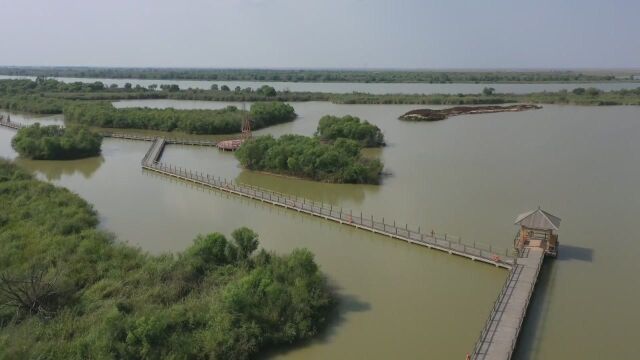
(266, 90)
(331, 128)
(224, 121)
(487, 91)
(307, 157)
(56, 143)
(246, 241)
(114, 301)
(270, 113)
(47, 96)
(579, 91)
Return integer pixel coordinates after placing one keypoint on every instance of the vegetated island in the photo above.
(70, 290)
(441, 114)
(223, 121)
(54, 142)
(331, 128)
(307, 157)
(317, 75)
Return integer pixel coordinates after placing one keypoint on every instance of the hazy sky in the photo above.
(327, 33)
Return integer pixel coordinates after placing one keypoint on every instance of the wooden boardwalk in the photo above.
(498, 339)
(446, 243)
(174, 141)
(10, 125)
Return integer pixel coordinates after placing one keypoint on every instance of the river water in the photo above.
(468, 176)
(372, 88)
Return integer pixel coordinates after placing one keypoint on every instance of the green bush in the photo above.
(331, 128)
(56, 143)
(307, 157)
(214, 300)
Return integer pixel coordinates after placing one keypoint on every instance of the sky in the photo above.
(411, 34)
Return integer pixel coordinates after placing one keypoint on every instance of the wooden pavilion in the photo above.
(538, 229)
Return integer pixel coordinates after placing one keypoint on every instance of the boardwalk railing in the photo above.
(489, 327)
(444, 242)
(175, 141)
(10, 124)
(494, 310)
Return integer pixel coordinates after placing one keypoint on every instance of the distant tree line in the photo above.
(307, 157)
(360, 76)
(71, 291)
(47, 96)
(54, 142)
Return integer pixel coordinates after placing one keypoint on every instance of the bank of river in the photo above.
(469, 175)
(378, 88)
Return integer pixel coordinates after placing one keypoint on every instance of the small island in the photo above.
(441, 114)
(221, 121)
(331, 128)
(309, 158)
(54, 142)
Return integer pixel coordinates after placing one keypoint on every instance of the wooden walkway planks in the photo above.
(498, 338)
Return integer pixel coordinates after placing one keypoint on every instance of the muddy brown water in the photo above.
(468, 176)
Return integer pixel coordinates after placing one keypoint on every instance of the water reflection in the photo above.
(54, 170)
(347, 303)
(320, 192)
(30, 119)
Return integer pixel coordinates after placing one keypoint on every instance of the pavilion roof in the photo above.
(538, 219)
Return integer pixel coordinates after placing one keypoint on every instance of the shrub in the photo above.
(56, 143)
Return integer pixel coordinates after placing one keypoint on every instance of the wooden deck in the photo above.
(498, 339)
(229, 145)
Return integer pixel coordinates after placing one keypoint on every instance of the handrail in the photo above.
(446, 241)
(494, 309)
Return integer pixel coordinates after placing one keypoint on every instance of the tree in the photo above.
(246, 241)
(488, 91)
(96, 86)
(225, 88)
(214, 87)
(592, 91)
(332, 128)
(579, 91)
(35, 293)
(267, 90)
(127, 86)
(153, 87)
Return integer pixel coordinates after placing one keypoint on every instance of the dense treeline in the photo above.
(70, 291)
(331, 128)
(51, 96)
(54, 142)
(224, 121)
(321, 75)
(307, 157)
